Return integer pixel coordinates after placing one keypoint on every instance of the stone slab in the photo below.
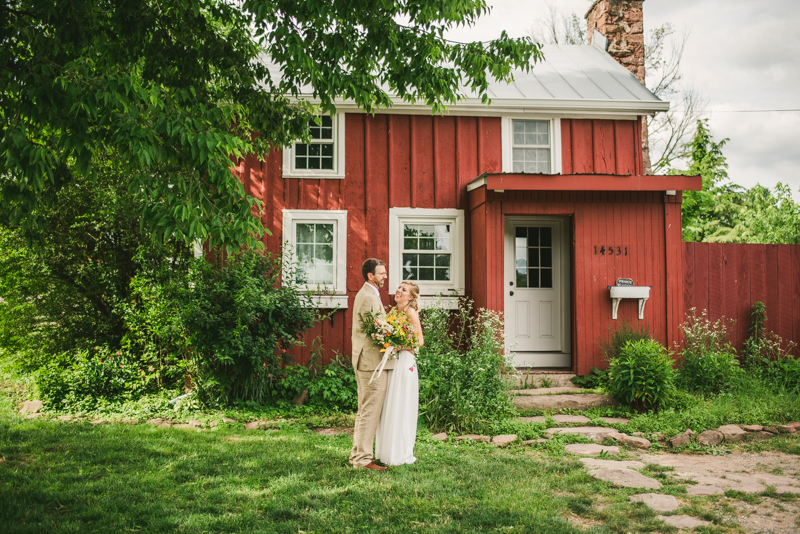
(710, 437)
(682, 521)
(786, 429)
(194, 423)
(228, 420)
(680, 440)
(442, 436)
(615, 420)
(594, 433)
(657, 501)
(536, 419)
(759, 436)
(504, 439)
(32, 406)
(590, 449)
(597, 463)
(559, 402)
(752, 428)
(626, 478)
(732, 432)
(549, 391)
(631, 441)
(571, 419)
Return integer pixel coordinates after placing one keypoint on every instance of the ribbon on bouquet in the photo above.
(381, 365)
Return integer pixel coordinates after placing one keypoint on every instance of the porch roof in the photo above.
(583, 182)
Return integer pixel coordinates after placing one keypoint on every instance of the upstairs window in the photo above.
(531, 146)
(322, 156)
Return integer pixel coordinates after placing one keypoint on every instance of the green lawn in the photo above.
(77, 477)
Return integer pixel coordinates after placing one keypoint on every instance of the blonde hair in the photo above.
(413, 289)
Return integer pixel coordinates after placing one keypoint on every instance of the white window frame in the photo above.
(331, 295)
(337, 173)
(430, 291)
(507, 140)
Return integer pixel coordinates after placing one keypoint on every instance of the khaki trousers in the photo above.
(370, 405)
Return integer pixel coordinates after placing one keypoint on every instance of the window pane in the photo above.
(533, 257)
(442, 232)
(409, 243)
(409, 230)
(522, 278)
(443, 260)
(547, 236)
(425, 273)
(533, 236)
(324, 253)
(533, 278)
(443, 275)
(426, 243)
(426, 260)
(324, 233)
(305, 255)
(547, 278)
(305, 233)
(547, 257)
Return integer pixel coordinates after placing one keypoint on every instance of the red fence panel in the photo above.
(726, 279)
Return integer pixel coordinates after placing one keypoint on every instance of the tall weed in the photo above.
(642, 375)
(462, 364)
(708, 364)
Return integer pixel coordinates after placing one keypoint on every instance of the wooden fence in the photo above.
(726, 279)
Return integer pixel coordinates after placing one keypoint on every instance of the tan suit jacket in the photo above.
(367, 354)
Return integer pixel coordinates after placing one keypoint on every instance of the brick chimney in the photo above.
(621, 22)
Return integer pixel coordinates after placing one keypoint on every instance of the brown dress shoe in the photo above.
(376, 467)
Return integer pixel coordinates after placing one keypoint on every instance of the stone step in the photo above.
(533, 379)
(569, 419)
(550, 391)
(559, 402)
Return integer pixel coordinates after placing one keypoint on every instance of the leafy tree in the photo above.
(173, 89)
(709, 214)
(770, 217)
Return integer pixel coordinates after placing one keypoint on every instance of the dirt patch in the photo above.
(749, 475)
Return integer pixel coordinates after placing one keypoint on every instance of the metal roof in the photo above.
(570, 79)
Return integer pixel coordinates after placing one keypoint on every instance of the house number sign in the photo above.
(610, 250)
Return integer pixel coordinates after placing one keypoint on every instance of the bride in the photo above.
(397, 429)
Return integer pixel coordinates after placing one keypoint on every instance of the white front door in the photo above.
(537, 291)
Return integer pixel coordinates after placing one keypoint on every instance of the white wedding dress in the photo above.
(397, 430)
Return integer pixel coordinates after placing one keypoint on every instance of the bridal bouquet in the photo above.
(391, 330)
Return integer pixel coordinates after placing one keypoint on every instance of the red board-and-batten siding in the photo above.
(426, 162)
(726, 279)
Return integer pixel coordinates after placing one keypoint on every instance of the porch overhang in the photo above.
(583, 182)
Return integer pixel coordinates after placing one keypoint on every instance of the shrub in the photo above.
(708, 363)
(642, 375)
(95, 373)
(622, 335)
(241, 322)
(462, 385)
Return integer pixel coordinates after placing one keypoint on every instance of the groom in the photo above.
(366, 358)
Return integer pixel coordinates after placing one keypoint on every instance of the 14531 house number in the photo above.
(610, 250)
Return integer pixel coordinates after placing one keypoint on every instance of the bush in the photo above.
(462, 385)
(708, 373)
(95, 373)
(241, 322)
(642, 375)
(708, 364)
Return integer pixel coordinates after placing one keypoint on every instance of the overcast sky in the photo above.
(742, 55)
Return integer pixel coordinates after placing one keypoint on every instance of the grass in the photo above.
(76, 477)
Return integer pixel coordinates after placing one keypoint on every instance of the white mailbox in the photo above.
(628, 292)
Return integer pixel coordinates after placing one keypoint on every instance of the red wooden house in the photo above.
(532, 206)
